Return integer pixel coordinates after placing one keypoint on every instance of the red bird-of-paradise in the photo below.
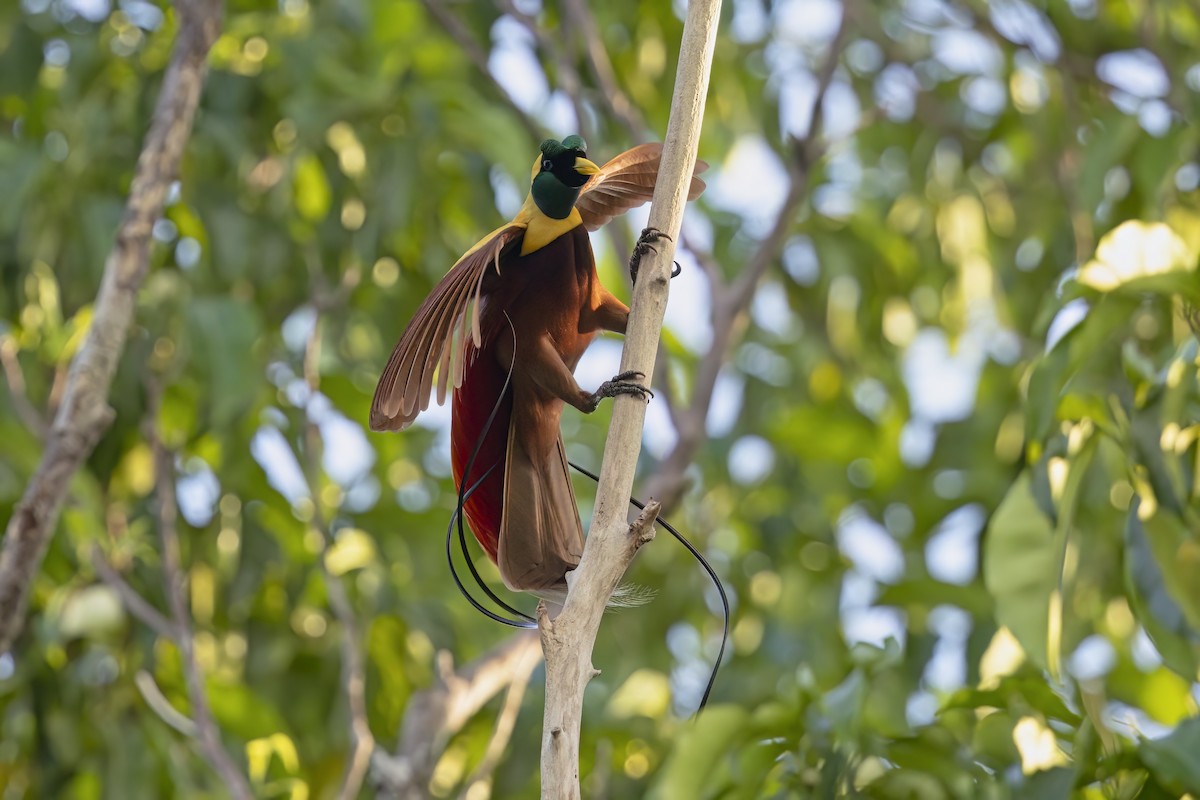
(503, 331)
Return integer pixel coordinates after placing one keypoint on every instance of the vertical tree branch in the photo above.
(207, 734)
(354, 682)
(84, 413)
(201, 726)
(612, 543)
(407, 774)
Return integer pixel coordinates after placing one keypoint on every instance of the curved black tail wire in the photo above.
(527, 622)
(712, 677)
(524, 620)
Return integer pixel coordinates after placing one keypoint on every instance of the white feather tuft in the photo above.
(631, 595)
(627, 595)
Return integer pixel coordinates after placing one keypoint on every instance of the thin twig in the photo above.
(161, 706)
(553, 48)
(506, 722)
(435, 714)
(712, 270)
(207, 734)
(602, 69)
(528, 21)
(459, 32)
(57, 387)
(730, 301)
(134, 603)
(16, 387)
(805, 152)
(362, 741)
(84, 414)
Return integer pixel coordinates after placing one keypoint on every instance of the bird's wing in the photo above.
(428, 343)
(624, 183)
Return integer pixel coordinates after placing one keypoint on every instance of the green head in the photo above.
(561, 170)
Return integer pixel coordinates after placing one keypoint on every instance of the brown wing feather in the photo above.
(428, 345)
(626, 182)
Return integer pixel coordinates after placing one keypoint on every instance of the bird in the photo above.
(502, 333)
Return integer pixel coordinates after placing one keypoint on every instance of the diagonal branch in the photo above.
(479, 57)
(602, 69)
(506, 722)
(730, 300)
(161, 706)
(612, 542)
(554, 49)
(177, 629)
(435, 714)
(84, 413)
(729, 304)
(137, 605)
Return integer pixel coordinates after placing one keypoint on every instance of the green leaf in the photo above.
(1052, 784)
(241, 712)
(1109, 144)
(1064, 527)
(1018, 694)
(698, 751)
(992, 740)
(1138, 366)
(1161, 561)
(907, 784)
(928, 592)
(1173, 759)
(754, 765)
(1164, 478)
(310, 188)
(844, 704)
(222, 331)
(885, 704)
(1020, 568)
(1182, 283)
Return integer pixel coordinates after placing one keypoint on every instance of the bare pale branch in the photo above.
(567, 641)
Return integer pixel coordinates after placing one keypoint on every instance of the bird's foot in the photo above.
(645, 244)
(622, 384)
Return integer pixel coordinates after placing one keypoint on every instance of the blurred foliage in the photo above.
(951, 473)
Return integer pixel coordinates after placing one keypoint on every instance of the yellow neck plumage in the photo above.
(541, 230)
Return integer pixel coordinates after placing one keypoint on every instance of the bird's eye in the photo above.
(547, 165)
